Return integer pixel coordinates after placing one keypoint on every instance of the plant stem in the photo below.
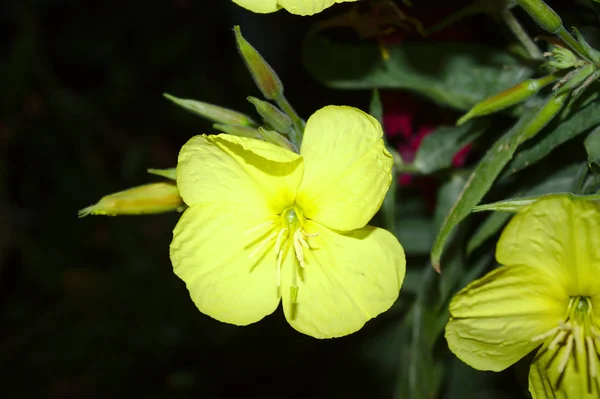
(571, 42)
(296, 133)
(519, 32)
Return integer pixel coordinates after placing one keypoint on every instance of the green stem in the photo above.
(296, 133)
(520, 33)
(571, 42)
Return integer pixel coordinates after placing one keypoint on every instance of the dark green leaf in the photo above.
(479, 183)
(578, 123)
(454, 257)
(375, 106)
(415, 235)
(592, 146)
(457, 75)
(559, 181)
(438, 148)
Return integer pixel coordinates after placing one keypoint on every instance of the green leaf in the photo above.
(446, 198)
(515, 204)
(488, 228)
(457, 75)
(562, 180)
(479, 183)
(421, 374)
(415, 235)
(592, 146)
(440, 146)
(375, 106)
(578, 123)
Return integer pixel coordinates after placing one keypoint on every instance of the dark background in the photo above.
(90, 307)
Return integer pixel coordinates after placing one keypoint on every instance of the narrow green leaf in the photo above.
(460, 76)
(439, 148)
(559, 181)
(479, 183)
(415, 234)
(578, 123)
(592, 146)
(515, 204)
(168, 173)
(375, 106)
(454, 258)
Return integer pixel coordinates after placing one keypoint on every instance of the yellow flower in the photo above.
(266, 224)
(298, 7)
(546, 295)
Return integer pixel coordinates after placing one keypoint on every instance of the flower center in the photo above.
(578, 337)
(284, 232)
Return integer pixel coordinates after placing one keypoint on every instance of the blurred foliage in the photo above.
(91, 308)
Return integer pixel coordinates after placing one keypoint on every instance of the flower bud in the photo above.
(264, 76)
(238, 130)
(212, 112)
(273, 137)
(542, 14)
(146, 199)
(563, 58)
(507, 98)
(574, 78)
(545, 114)
(272, 115)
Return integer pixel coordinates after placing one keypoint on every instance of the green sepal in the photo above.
(238, 130)
(147, 199)
(168, 173)
(515, 204)
(507, 98)
(264, 76)
(273, 137)
(212, 112)
(272, 115)
(544, 115)
(576, 78)
(591, 52)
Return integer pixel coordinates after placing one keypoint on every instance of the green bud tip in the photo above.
(272, 115)
(264, 76)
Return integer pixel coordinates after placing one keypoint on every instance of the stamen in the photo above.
(298, 247)
(579, 341)
(566, 355)
(559, 337)
(259, 227)
(592, 356)
(542, 337)
(262, 245)
(279, 238)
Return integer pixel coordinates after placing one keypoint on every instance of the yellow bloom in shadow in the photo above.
(266, 224)
(546, 295)
(298, 7)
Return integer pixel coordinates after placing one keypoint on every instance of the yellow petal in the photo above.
(561, 236)
(308, 7)
(576, 381)
(346, 280)
(259, 6)
(248, 172)
(211, 253)
(347, 168)
(494, 319)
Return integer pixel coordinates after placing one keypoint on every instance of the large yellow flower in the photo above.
(298, 7)
(265, 224)
(546, 295)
